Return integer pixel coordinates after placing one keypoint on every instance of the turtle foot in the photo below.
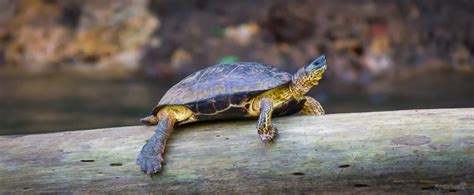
(269, 135)
(150, 164)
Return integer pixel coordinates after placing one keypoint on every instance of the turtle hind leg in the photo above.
(311, 107)
(266, 130)
(149, 120)
(151, 158)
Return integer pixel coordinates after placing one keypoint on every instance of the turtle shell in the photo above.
(216, 87)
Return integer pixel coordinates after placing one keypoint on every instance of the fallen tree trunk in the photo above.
(403, 151)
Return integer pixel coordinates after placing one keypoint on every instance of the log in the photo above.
(409, 151)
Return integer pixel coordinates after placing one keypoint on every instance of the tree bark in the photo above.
(403, 151)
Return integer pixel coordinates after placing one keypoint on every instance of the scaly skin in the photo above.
(151, 155)
(262, 106)
(311, 107)
(306, 78)
(151, 158)
(264, 125)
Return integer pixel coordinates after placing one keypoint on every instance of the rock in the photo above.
(112, 35)
(290, 22)
(363, 40)
(461, 60)
(378, 59)
(180, 59)
(242, 34)
(36, 40)
(100, 35)
(37, 48)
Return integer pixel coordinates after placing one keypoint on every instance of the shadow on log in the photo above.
(403, 151)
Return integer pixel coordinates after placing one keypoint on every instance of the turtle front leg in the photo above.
(151, 158)
(311, 107)
(266, 130)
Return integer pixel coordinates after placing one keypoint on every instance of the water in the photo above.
(63, 102)
(34, 104)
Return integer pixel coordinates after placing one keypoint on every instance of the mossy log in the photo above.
(404, 151)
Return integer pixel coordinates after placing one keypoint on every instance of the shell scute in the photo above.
(221, 102)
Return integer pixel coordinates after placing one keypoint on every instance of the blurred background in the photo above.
(81, 64)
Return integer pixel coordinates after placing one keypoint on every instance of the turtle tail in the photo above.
(149, 120)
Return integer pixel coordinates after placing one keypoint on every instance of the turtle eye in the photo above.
(316, 64)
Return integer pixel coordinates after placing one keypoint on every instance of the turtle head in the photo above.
(315, 70)
(308, 76)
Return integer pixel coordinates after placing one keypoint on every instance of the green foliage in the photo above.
(228, 59)
(217, 31)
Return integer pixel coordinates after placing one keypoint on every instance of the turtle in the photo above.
(231, 91)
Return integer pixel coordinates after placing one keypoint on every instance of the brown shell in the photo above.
(223, 84)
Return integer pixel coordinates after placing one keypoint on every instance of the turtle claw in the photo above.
(268, 136)
(150, 164)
